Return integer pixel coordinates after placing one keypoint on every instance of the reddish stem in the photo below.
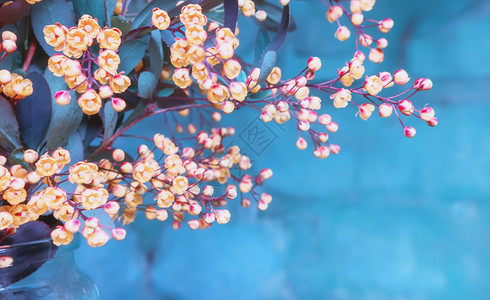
(30, 54)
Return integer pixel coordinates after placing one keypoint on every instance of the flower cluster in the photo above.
(95, 86)
(190, 179)
(178, 184)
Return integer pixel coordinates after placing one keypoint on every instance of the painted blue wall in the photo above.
(388, 218)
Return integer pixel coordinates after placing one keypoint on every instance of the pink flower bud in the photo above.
(105, 91)
(73, 225)
(193, 224)
(208, 175)
(245, 202)
(216, 116)
(208, 191)
(305, 103)
(382, 43)
(335, 149)
(126, 167)
(427, 113)
(401, 77)
(17, 184)
(409, 132)
(406, 107)
(92, 222)
(262, 205)
(385, 25)
(385, 110)
(118, 104)
(323, 137)
(310, 75)
(9, 46)
(314, 64)
(426, 84)
(209, 218)
(332, 127)
(304, 125)
(360, 56)
(231, 192)
(111, 207)
(325, 119)
(62, 97)
(357, 18)
(118, 234)
(322, 152)
(433, 122)
(342, 33)
(118, 155)
(30, 156)
(9, 35)
(301, 143)
(386, 79)
(254, 74)
(266, 174)
(418, 83)
(376, 55)
(301, 81)
(282, 106)
(195, 209)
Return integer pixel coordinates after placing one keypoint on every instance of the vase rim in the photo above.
(36, 242)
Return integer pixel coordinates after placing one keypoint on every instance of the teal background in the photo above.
(387, 218)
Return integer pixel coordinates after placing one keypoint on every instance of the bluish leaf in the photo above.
(135, 113)
(274, 16)
(64, 118)
(34, 112)
(231, 14)
(9, 128)
(144, 17)
(165, 92)
(156, 53)
(96, 8)
(48, 12)
(269, 57)
(261, 42)
(132, 52)
(146, 84)
(268, 63)
(110, 121)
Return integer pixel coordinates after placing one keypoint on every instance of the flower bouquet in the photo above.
(77, 75)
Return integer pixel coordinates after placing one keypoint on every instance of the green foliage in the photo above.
(34, 112)
(64, 118)
(155, 52)
(109, 118)
(9, 128)
(48, 12)
(147, 83)
(131, 53)
(99, 9)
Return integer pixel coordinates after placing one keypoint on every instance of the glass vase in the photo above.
(41, 270)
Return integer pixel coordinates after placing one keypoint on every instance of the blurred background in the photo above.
(387, 218)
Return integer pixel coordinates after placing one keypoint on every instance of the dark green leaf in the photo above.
(122, 23)
(261, 43)
(165, 92)
(110, 121)
(96, 9)
(34, 112)
(156, 53)
(48, 12)
(146, 84)
(9, 128)
(16, 158)
(132, 52)
(64, 118)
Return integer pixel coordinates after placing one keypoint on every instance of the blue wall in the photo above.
(388, 218)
